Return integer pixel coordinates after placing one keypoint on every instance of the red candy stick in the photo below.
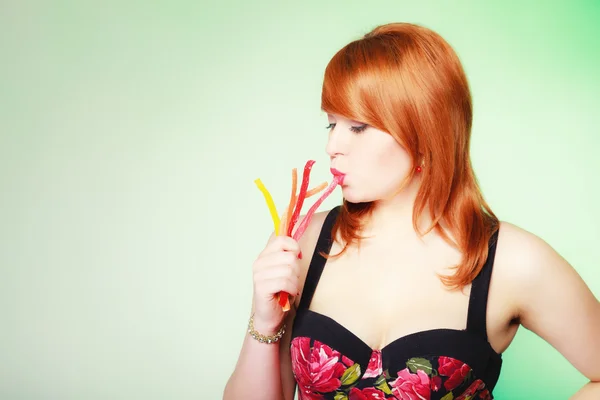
(296, 203)
(283, 296)
(301, 195)
(304, 224)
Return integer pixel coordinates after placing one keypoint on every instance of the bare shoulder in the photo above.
(516, 267)
(525, 258)
(522, 252)
(549, 295)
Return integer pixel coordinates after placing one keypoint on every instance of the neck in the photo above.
(393, 217)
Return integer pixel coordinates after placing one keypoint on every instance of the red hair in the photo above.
(406, 80)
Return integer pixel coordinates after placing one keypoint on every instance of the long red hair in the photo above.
(406, 80)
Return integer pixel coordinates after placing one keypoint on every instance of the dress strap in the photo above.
(317, 263)
(478, 299)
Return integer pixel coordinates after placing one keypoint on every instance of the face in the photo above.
(374, 162)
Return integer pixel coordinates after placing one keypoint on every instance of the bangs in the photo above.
(366, 81)
(352, 80)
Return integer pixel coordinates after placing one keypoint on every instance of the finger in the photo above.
(285, 243)
(273, 286)
(283, 262)
(283, 271)
(282, 243)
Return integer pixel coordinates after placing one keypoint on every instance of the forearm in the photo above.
(591, 391)
(257, 374)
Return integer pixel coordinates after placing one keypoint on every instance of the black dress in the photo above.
(330, 362)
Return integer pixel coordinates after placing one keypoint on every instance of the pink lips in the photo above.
(338, 175)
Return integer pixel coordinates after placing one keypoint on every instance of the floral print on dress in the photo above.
(411, 386)
(322, 373)
(366, 394)
(375, 367)
(455, 370)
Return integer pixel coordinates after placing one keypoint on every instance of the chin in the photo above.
(353, 197)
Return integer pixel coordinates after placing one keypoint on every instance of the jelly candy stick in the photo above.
(287, 215)
(283, 297)
(283, 224)
(273, 209)
(289, 219)
(304, 224)
(301, 195)
(270, 204)
(292, 203)
(316, 190)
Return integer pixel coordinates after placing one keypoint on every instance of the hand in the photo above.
(275, 270)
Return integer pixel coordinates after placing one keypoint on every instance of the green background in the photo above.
(130, 136)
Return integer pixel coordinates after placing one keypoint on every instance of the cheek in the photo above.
(393, 164)
(383, 167)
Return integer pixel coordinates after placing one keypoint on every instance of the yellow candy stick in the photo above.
(270, 204)
(276, 221)
(277, 226)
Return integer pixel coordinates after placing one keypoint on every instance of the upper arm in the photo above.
(554, 302)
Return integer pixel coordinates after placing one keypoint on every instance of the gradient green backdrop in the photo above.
(130, 136)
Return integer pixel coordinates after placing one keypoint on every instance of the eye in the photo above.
(359, 129)
(355, 129)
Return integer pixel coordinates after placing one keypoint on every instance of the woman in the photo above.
(412, 288)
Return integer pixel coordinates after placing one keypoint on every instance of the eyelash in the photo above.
(355, 129)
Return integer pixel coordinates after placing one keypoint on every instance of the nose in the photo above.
(336, 144)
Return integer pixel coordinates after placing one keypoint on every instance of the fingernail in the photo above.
(300, 255)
